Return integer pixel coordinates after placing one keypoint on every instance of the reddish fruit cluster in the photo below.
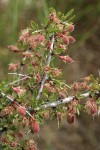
(33, 41)
(13, 67)
(91, 107)
(31, 145)
(71, 111)
(27, 54)
(24, 36)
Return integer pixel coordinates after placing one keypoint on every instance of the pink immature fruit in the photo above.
(71, 39)
(35, 126)
(71, 28)
(70, 118)
(21, 111)
(65, 40)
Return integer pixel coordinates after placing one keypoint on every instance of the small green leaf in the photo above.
(52, 30)
(51, 9)
(59, 14)
(69, 13)
(63, 18)
(59, 50)
(71, 19)
(34, 25)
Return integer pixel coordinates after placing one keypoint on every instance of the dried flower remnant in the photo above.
(39, 38)
(18, 90)
(47, 69)
(71, 118)
(75, 87)
(27, 54)
(56, 72)
(13, 48)
(13, 144)
(37, 77)
(24, 36)
(63, 46)
(13, 67)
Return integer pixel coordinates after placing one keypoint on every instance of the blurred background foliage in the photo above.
(15, 15)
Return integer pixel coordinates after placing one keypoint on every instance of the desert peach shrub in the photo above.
(36, 90)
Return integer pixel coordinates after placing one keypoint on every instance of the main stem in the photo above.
(47, 64)
(60, 101)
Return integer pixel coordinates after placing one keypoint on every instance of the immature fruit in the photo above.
(20, 134)
(4, 139)
(62, 95)
(13, 67)
(71, 28)
(35, 126)
(70, 118)
(13, 48)
(71, 39)
(91, 107)
(66, 59)
(39, 38)
(21, 111)
(65, 40)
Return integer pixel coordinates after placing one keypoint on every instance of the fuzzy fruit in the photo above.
(70, 118)
(91, 107)
(35, 126)
(71, 39)
(21, 111)
(65, 40)
(71, 28)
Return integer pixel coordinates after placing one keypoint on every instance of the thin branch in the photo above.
(19, 75)
(47, 64)
(37, 31)
(60, 101)
(12, 101)
(17, 81)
